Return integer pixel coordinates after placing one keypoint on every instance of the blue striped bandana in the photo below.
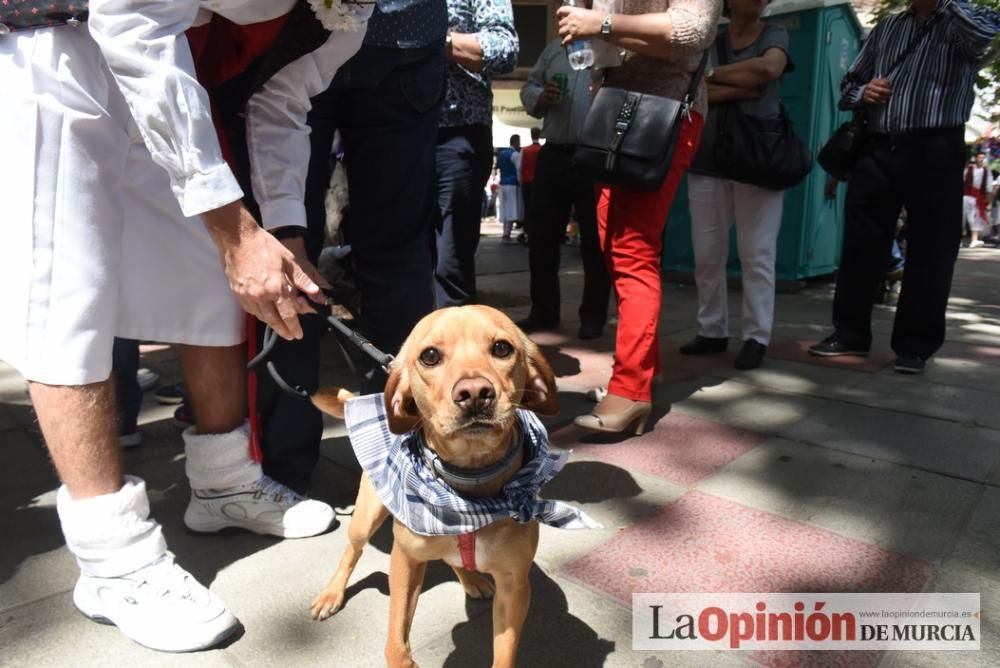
(427, 505)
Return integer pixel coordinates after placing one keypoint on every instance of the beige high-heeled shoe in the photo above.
(637, 413)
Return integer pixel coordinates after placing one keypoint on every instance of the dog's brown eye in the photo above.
(430, 357)
(502, 349)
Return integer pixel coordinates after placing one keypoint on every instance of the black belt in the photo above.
(894, 139)
(562, 148)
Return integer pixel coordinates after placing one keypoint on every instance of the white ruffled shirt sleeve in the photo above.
(144, 45)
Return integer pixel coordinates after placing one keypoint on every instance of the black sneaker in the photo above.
(704, 345)
(834, 346)
(751, 355)
(530, 324)
(908, 363)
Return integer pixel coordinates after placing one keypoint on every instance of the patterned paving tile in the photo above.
(798, 351)
(702, 543)
(680, 448)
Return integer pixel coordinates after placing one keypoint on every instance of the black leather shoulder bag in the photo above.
(628, 137)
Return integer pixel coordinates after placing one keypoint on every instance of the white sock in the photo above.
(111, 535)
(220, 461)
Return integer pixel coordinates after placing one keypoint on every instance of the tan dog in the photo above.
(458, 379)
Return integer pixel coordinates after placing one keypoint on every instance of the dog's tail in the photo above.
(331, 400)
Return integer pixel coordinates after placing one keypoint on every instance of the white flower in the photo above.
(337, 15)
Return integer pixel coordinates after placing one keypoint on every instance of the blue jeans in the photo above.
(464, 160)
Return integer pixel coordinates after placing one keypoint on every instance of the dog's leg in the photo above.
(369, 514)
(476, 585)
(406, 578)
(510, 608)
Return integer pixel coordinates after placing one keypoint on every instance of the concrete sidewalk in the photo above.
(804, 475)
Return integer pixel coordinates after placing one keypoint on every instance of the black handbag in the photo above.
(763, 152)
(843, 150)
(845, 147)
(628, 137)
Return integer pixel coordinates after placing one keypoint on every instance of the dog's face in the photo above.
(460, 375)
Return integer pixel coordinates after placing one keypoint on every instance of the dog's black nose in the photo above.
(474, 395)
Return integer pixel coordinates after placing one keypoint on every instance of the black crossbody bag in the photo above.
(845, 147)
(763, 152)
(628, 137)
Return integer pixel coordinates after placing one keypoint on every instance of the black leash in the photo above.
(271, 338)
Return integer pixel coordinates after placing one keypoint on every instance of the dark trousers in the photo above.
(526, 194)
(464, 160)
(386, 103)
(125, 366)
(556, 189)
(922, 171)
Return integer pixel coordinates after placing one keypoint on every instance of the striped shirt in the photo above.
(933, 87)
(426, 505)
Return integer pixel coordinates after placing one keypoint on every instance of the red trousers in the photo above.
(631, 225)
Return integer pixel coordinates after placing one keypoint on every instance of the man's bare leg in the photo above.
(219, 467)
(78, 423)
(216, 383)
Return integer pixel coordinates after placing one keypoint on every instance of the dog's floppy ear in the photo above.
(540, 393)
(400, 409)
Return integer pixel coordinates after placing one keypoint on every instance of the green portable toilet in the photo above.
(824, 38)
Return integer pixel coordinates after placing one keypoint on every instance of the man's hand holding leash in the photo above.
(261, 271)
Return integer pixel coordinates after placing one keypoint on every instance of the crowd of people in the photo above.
(165, 174)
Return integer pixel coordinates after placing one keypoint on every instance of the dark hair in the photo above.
(515, 139)
(536, 133)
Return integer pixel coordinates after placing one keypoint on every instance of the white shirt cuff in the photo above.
(206, 191)
(282, 213)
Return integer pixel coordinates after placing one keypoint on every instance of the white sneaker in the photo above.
(975, 244)
(160, 606)
(265, 506)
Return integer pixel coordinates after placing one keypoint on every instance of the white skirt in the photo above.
(95, 245)
(509, 205)
(976, 221)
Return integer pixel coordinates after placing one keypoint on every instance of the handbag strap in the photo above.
(695, 81)
(914, 42)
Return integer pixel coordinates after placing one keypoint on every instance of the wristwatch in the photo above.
(606, 27)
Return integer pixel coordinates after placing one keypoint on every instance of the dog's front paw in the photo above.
(327, 604)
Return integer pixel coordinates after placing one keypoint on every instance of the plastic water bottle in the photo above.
(580, 51)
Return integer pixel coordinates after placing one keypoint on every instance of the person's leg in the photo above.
(758, 220)
(196, 309)
(632, 242)
(464, 156)
(932, 185)
(871, 208)
(593, 309)
(125, 364)
(291, 429)
(64, 241)
(711, 202)
(527, 194)
(551, 202)
(388, 103)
